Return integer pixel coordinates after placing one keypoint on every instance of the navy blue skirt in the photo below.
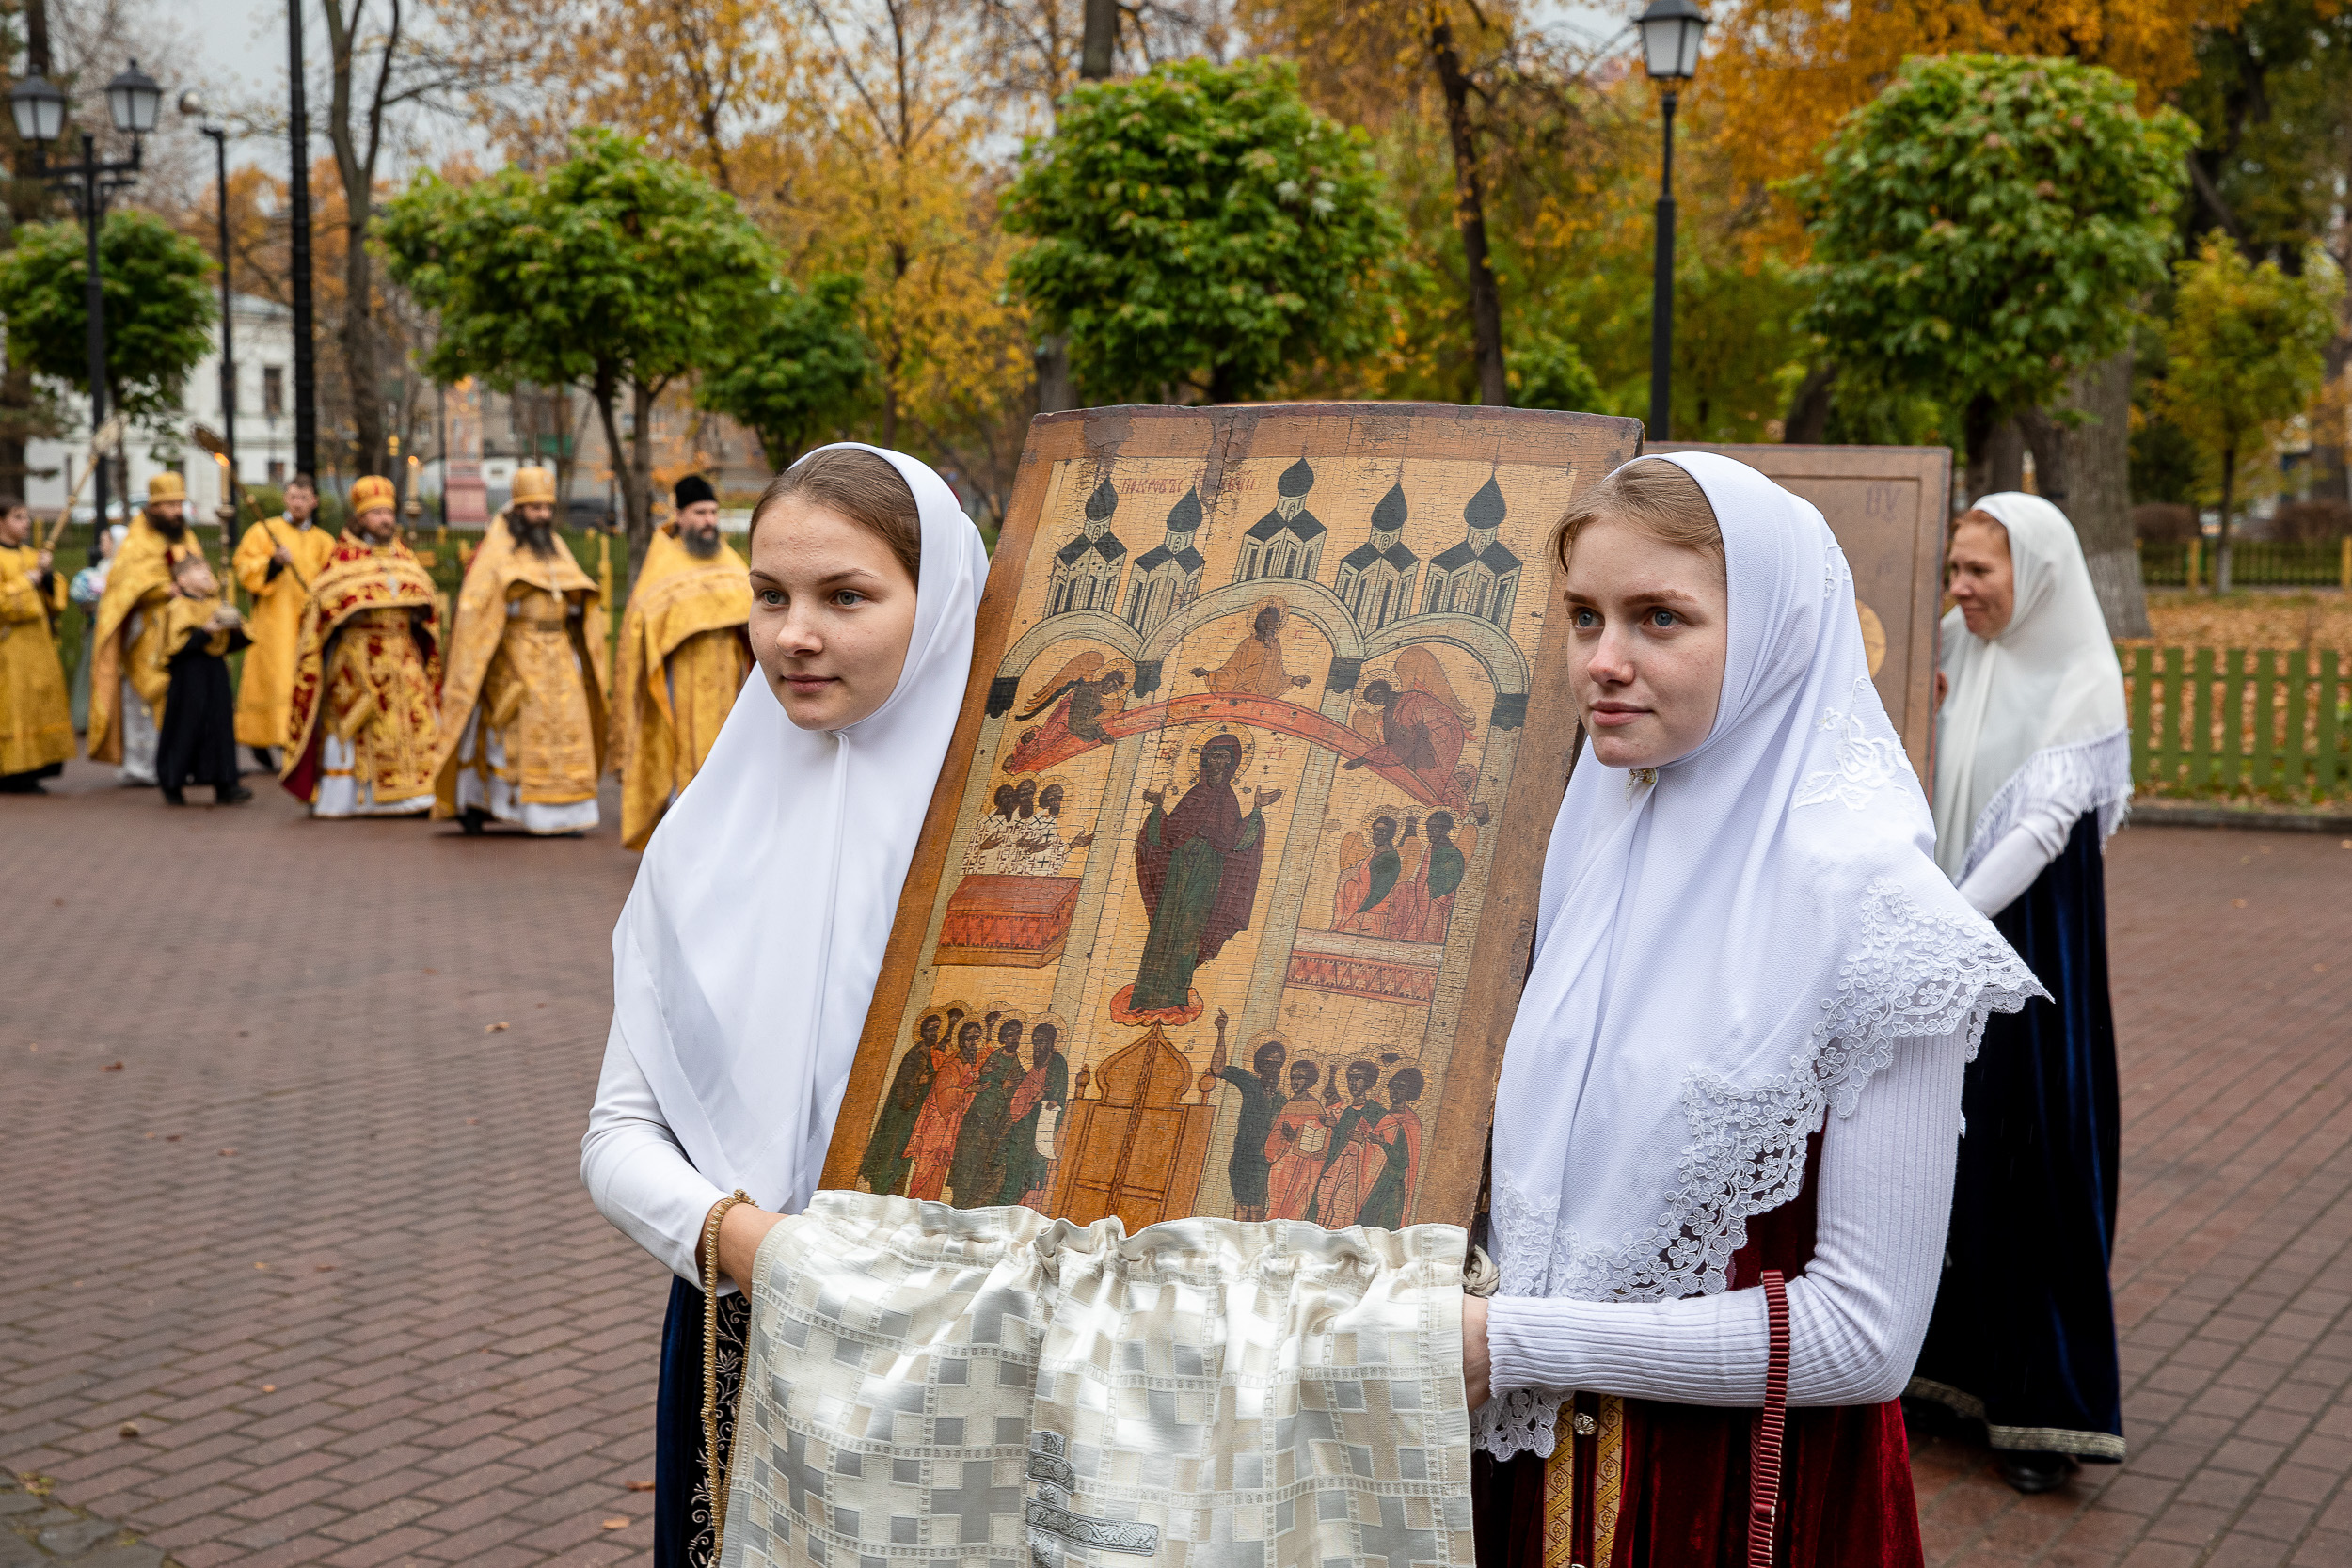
(2024, 1334)
(682, 1533)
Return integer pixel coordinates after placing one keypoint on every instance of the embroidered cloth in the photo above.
(986, 1386)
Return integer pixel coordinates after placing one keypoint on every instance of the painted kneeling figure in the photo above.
(1740, 1049)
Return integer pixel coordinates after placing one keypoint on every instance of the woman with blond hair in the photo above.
(1729, 1109)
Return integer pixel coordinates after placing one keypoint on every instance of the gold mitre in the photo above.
(166, 486)
(368, 492)
(533, 484)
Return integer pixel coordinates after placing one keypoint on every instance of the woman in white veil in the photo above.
(746, 957)
(1738, 1057)
(2033, 771)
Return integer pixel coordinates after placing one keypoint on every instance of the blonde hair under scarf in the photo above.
(1725, 956)
(745, 958)
(2034, 715)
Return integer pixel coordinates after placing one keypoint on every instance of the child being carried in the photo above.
(197, 743)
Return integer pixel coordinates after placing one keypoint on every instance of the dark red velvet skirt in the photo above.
(1655, 1485)
(1681, 1499)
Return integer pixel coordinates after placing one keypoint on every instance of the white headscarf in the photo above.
(745, 958)
(2035, 715)
(1725, 954)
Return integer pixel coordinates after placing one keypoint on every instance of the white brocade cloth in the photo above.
(1728, 952)
(933, 1385)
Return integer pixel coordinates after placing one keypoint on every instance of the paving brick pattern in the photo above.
(321, 1242)
(2232, 965)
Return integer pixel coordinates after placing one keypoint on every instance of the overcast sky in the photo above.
(240, 48)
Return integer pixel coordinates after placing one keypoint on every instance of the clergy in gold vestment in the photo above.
(36, 723)
(522, 697)
(278, 560)
(364, 706)
(683, 658)
(127, 673)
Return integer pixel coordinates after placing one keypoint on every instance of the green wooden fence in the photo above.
(2234, 721)
(2253, 564)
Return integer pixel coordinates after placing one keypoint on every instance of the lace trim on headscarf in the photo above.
(2081, 776)
(1915, 976)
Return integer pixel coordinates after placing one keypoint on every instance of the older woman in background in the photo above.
(2032, 774)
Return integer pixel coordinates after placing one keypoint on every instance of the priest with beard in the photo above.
(522, 700)
(684, 656)
(363, 709)
(129, 673)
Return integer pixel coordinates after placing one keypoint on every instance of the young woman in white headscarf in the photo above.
(2033, 771)
(747, 953)
(1737, 1063)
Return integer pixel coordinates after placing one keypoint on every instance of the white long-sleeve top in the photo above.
(1856, 1314)
(636, 1172)
(2010, 867)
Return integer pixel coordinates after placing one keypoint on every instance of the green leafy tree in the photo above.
(1201, 225)
(1986, 227)
(2245, 352)
(158, 306)
(796, 365)
(1546, 373)
(613, 270)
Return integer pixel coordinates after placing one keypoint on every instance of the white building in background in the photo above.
(264, 354)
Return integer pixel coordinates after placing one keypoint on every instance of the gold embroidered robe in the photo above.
(523, 693)
(265, 688)
(683, 658)
(363, 704)
(35, 722)
(127, 642)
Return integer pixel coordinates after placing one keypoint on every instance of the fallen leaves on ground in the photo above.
(127, 1431)
(638, 1485)
(112, 1066)
(616, 1524)
(494, 1028)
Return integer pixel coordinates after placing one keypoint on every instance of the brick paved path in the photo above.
(388, 1328)
(2231, 960)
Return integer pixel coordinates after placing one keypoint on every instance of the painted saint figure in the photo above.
(931, 1146)
(1029, 1168)
(1371, 876)
(1254, 669)
(1197, 868)
(1419, 734)
(886, 1165)
(1354, 1161)
(1294, 1149)
(1089, 698)
(977, 1173)
(984, 855)
(1043, 850)
(1399, 1132)
(1261, 1091)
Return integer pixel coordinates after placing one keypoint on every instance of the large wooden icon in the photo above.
(1226, 895)
(1890, 508)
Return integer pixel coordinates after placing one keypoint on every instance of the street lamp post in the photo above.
(1670, 52)
(305, 363)
(190, 103)
(39, 110)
